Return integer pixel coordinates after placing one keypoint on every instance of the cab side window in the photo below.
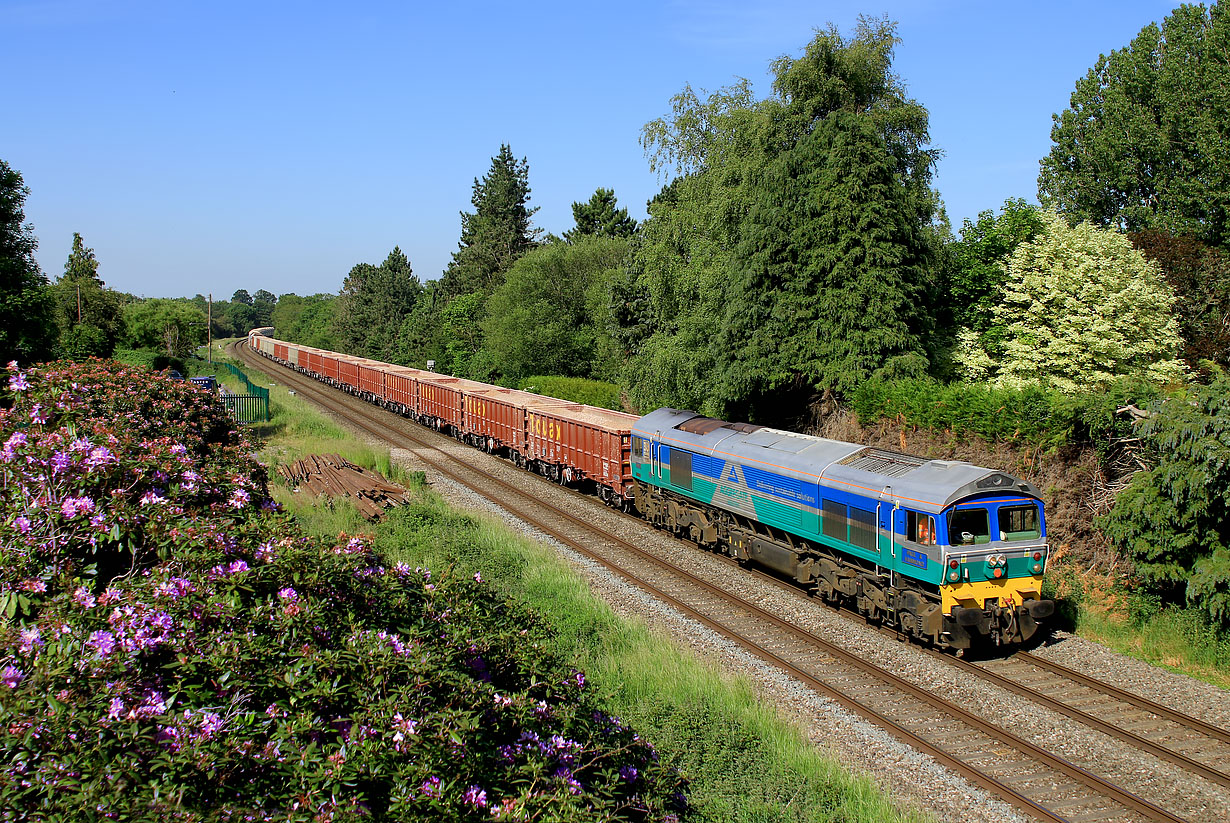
(920, 528)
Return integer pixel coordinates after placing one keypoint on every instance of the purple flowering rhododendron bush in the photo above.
(173, 648)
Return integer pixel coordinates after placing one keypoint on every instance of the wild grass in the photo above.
(1181, 639)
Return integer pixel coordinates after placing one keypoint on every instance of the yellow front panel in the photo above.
(1010, 591)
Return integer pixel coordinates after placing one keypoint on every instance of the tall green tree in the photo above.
(1080, 308)
(828, 280)
(741, 255)
(373, 304)
(174, 327)
(976, 262)
(87, 312)
(497, 232)
(680, 260)
(307, 320)
(27, 326)
(1145, 141)
(600, 217)
(1173, 519)
(1200, 276)
(548, 316)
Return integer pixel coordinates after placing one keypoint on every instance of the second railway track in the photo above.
(1036, 781)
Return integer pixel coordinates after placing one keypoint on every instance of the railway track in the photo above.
(1190, 743)
(1038, 782)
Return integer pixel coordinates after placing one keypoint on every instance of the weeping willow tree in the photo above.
(792, 250)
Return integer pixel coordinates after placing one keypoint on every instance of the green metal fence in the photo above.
(247, 408)
(253, 389)
(252, 407)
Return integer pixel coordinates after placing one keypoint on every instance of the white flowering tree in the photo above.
(1080, 307)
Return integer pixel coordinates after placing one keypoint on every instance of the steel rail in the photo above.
(1127, 697)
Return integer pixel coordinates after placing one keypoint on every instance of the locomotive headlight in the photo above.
(1037, 568)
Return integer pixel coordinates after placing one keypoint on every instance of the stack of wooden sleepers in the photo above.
(332, 475)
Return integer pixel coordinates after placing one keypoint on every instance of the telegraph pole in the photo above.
(209, 328)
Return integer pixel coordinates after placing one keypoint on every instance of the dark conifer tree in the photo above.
(497, 232)
(373, 303)
(88, 313)
(27, 328)
(600, 217)
(828, 277)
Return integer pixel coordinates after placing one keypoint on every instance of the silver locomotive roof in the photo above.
(919, 483)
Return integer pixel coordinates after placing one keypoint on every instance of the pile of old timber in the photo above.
(334, 476)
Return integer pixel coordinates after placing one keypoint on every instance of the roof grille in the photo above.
(877, 461)
(704, 425)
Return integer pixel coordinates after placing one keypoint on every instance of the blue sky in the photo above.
(205, 147)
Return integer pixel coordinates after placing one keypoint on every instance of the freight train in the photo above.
(946, 552)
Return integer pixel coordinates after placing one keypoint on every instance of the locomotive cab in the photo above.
(994, 554)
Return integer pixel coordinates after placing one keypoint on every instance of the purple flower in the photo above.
(430, 787)
(74, 506)
(478, 578)
(11, 676)
(103, 643)
(288, 594)
(100, 456)
(475, 797)
(60, 461)
(155, 704)
(116, 710)
(237, 567)
(175, 588)
(38, 414)
(211, 724)
(29, 639)
(178, 448)
(152, 498)
(239, 499)
(22, 523)
(579, 679)
(17, 382)
(83, 598)
(627, 773)
(10, 445)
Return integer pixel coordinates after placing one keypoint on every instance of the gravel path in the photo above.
(907, 775)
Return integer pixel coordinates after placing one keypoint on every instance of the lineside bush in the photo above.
(1030, 415)
(576, 389)
(174, 648)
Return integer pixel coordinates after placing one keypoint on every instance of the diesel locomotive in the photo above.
(946, 551)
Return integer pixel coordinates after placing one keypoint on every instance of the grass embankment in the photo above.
(744, 762)
(1182, 640)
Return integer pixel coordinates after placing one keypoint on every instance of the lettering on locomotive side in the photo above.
(913, 557)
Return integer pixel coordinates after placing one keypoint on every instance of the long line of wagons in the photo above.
(950, 553)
